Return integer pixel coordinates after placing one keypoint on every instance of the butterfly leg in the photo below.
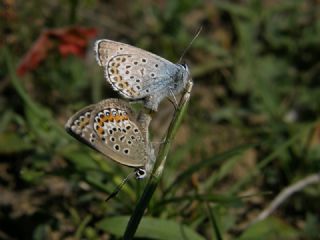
(174, 97)
(174, 101)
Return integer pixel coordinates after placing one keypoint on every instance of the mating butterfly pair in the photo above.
(110, 126)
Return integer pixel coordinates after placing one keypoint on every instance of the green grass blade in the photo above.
(206, 163)
(214, 223)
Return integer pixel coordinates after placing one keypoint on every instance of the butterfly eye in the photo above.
(141, 173)
(185, 66)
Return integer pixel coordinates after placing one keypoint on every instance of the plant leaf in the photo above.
(149, 227)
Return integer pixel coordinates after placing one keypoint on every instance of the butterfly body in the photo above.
(138, 74)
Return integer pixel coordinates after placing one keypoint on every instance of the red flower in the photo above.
(71, 40)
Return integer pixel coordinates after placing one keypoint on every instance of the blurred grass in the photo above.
(252, 126)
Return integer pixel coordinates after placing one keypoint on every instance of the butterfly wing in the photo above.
(134, 72)
(78, 125)
(113, 130)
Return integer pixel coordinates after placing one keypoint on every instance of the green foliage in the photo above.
(150, 228)
(271, 228)
(251, 129)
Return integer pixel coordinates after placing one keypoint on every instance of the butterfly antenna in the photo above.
(188, 47)
(119, 187)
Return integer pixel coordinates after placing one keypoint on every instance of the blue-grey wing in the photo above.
(139, 75)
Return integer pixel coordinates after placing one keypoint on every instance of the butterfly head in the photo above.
(140, 173)
(183, 76)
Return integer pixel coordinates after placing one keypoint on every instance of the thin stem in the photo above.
(159, 165)
(286, 193)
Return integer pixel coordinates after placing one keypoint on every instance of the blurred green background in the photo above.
(252, 127)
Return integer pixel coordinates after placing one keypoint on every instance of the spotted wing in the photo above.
(79, 125)
(132, 71)
(111, 130)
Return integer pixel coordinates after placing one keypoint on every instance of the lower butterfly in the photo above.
(113, 129)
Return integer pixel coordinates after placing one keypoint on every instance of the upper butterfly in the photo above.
(113, 129)
(138, 74)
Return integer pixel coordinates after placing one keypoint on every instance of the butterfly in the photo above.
(140, 75)
(112, 128)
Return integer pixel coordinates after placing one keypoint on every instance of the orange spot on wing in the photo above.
(104, 118)
(113, 119)
(100, 131)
